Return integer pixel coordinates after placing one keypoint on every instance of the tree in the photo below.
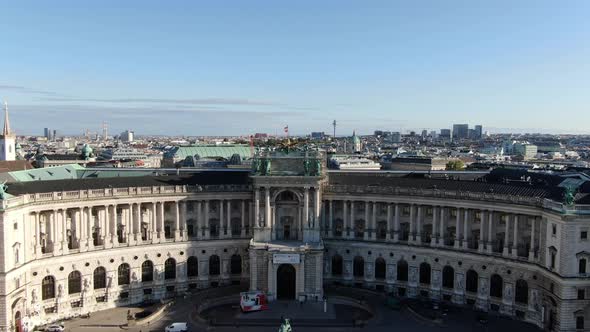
(455, 165)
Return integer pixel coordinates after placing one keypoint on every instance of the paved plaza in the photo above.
(183, 309)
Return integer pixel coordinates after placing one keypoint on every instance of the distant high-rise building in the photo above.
(445, 133)
(478, 131)
(378, 133)
(460, 131)
(48, 133)
(424, 134)
(318, 135)
(396, 137)
(54, 134)
(128, 136)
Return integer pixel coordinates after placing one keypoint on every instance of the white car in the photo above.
(54, 328)
(177, 327)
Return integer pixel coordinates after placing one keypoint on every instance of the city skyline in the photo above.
(509, 67)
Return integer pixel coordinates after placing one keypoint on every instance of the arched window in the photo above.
(358, 267)
(471, 282)
(147, 271)
(74, 282)
(402, 270)
(336, 265)
(192, 267)
(236, 264)
(100, 278)
(48, 288)
(425, 273)
(582, 265)
(380, 268)
(448, 277)
(521, 293)
(214, 265)
(123, 274)
(170, 269)
(496, 285)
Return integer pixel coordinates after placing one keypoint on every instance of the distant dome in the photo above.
(17, 146)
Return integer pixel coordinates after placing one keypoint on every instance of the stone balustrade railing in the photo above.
(118, 192)
(449, 194)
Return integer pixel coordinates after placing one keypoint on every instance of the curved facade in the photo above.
(77, 246)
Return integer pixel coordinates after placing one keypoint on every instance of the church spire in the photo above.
(6, 130)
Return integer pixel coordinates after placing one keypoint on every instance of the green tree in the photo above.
(455, 165)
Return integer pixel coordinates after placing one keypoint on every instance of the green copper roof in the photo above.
(113, 173)
(48, 173)
(210, 151)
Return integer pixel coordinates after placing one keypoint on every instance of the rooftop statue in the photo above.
(256, 166)
(3, 189)
(287, 146)
(318, 167)
(306, 167)
(266, 167)
(569, 196)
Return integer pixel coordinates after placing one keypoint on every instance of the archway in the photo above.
(17, 322)
(286, 278)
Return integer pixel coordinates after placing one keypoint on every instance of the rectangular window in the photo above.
(581, 294)
(552, 260)
(147, 291)
(584, 235)
(15, 226)
(124, 295)
(551, 287)
(580, 322)
(554, 229)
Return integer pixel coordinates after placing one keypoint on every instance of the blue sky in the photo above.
(239, 67)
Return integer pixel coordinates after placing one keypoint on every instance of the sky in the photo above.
(240, 67)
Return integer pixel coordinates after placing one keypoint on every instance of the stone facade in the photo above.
(73, 252)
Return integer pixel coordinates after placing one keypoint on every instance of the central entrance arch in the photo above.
(286, 282)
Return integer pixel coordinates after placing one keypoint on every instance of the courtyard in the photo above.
(305, 316)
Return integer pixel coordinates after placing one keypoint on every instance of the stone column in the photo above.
(331, 218)
(64, 232)
(458, 229)
(506, 230)
(228, 218)
(206, 221)
(351, 221)
(515, 237)
(222, 230)
(434, 236)
(490, 229)
(200, 218)
(396, 224)
(114, 225)
(305, 208)
(420, 216)
(368, 223)
(103, 214)
(344, 219)
(137, 224)
(443, 227)
(374, 221)
(89, 225)
(532, 245)
(389, 230)
(412, 223)
(37, 245)
(256, 207)
(153, 227)
(317, 209)
(183, 220)
(131, 226)
(267, 211)
(161, 222)
(243, 219)
(176, 221)
(466, 228)
(482, 218)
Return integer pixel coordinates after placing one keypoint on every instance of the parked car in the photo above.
(177, 327)
(54, 328)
